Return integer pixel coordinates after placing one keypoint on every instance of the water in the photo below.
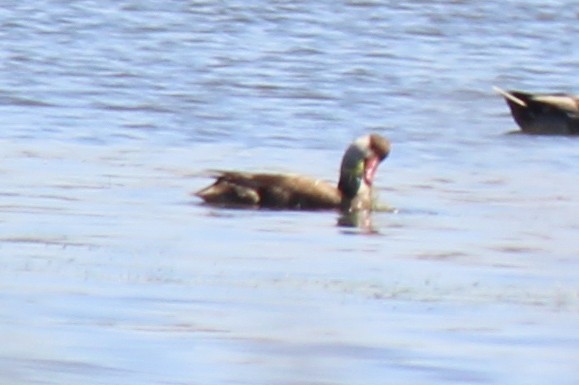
(113, 273)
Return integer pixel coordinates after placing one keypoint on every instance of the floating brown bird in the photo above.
(547, 114)
(296, 192)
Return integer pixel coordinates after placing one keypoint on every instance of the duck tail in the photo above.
(510, 96)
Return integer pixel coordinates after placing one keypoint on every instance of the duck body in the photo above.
(297, 192)
(543, 113)
(289, 191)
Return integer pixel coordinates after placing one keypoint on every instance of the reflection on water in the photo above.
(361, 219)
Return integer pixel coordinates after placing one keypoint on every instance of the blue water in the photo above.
(112, 273)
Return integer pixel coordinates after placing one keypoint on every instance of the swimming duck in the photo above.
(548, 114)
(297, 192)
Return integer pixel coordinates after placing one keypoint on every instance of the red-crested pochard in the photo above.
(296, 192)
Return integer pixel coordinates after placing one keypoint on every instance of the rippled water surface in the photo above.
(111, 273)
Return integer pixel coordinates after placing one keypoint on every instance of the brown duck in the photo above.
(296, 192)
(547, 114)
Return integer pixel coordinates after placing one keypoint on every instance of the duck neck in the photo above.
(361, 201)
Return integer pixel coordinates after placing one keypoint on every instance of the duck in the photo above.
(298, 192)
(543, 113)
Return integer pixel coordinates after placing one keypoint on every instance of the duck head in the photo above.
(360, 163)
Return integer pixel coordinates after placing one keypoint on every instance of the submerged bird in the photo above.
(547, 114)
(296, 192)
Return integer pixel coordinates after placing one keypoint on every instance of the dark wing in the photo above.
(566, 103)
